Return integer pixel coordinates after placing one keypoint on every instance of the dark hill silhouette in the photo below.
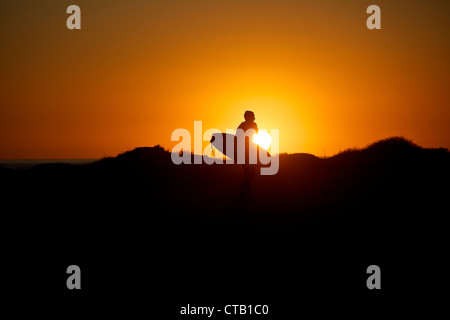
(384, 204)
(377, 174)
(393, 180)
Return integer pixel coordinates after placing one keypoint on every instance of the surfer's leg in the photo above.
(248, 175)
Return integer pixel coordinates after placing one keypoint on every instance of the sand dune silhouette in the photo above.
(317, 224)
(391, 173)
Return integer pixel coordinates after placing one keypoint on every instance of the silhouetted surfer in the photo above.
(249, 169)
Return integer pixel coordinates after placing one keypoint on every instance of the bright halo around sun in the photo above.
(262, 139)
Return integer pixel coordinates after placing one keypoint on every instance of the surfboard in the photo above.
(227, 144)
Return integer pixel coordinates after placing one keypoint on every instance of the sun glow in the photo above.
(262, 139)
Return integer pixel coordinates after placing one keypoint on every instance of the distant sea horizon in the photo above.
(28, 163)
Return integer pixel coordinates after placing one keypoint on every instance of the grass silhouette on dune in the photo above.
(316, 221)
(387, 178)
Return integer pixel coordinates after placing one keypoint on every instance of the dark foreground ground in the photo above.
(151, 237)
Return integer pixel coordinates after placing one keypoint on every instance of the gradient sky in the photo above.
(137, 70)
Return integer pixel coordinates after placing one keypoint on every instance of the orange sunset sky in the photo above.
(137, 70)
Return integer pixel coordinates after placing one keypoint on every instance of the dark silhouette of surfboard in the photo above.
(228, 143)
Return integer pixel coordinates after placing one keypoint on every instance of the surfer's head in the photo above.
(249, 116)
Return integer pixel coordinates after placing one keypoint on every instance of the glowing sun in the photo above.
(262, 139)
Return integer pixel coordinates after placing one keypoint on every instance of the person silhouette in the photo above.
(249, 169)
